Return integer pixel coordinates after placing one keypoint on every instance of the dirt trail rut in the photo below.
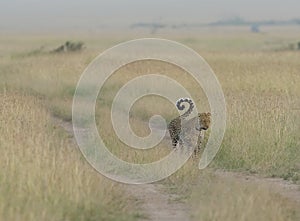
(285, 188)
(158, 205)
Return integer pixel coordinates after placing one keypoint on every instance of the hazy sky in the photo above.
(98, 13)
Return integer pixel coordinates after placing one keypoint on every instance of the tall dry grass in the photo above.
(225, 198)
(261, 90)
(261, 87)
(262, 96)
(43, 175)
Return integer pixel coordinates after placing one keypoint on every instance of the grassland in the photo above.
(261, 83)
(43, 176)
(225, 198)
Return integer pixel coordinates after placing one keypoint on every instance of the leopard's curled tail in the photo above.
(181, 106)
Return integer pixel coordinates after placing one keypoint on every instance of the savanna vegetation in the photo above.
(43, 175)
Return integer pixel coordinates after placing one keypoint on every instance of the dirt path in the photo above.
(278, 185)
(158, 205)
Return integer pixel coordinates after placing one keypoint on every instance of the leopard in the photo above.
(204, 124)
(174, 127)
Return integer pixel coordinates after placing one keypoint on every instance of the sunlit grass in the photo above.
(43, 175)
(261, 91)
(225, 199)
(261, 88)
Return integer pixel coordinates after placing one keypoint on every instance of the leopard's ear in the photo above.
(208, 114)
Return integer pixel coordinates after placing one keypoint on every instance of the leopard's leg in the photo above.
(174, 142)
(178, 140)
(172, 135)
(199, 142)
(174, 138)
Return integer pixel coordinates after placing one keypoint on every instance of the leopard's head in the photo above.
(204, 121)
